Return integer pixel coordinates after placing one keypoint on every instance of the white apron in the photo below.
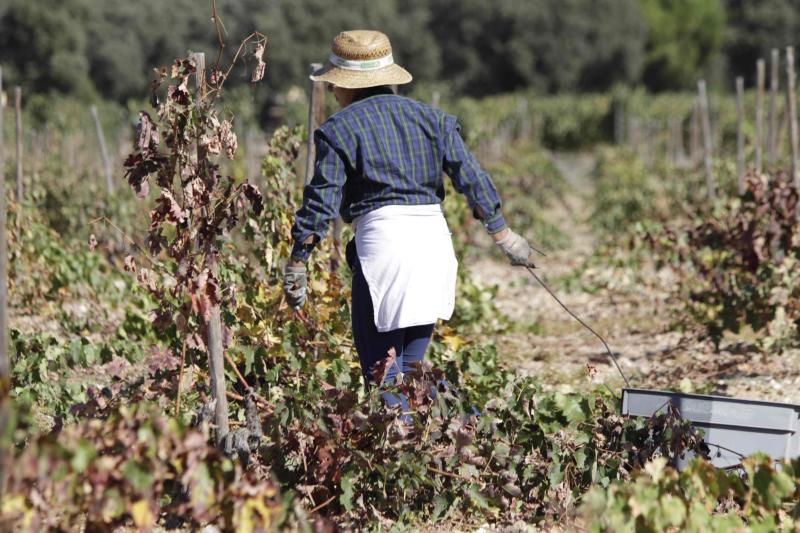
(406, 255)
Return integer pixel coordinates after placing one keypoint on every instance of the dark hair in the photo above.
(373, 91)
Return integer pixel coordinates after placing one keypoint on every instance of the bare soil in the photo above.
(634, 312)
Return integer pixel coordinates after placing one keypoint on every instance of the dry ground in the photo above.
(633, 311)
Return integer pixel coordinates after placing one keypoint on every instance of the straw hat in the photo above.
(360, 59)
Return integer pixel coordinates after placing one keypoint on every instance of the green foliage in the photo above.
(623, 192)
(313, 431)
(628, 193)
(89, 47)
(738, 264)
(683, 36)
(581, 121)
(54, 374)
(530, 182)
(132, 468)
(145, 34)
(571, 122)
(700, 498)
(530, 453)
(44, 45)
(562, 122)
(553, 45)
(79, 46)
(97, 312)
(297, 39)
(754, 28)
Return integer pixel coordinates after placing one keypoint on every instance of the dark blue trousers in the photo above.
(373, 346)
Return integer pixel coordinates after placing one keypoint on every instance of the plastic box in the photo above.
(733, 428)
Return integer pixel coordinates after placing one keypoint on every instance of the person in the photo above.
(379, 163)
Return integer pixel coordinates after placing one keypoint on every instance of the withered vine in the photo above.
(195, 206)
(738, 265)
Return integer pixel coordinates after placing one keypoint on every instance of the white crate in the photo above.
(732, 428)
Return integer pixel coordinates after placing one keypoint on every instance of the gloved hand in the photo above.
(295, 283)
(516, 249)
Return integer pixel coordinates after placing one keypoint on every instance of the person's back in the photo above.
(383, 150)
(393, 151)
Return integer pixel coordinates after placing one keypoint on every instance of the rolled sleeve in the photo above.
(470, 179)
(322, 197)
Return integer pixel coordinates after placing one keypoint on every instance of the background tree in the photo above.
(129, 39)
(683, 37)
(756, 27)
(44, 44)
(106, 48)
(551, 45)
(297, 39)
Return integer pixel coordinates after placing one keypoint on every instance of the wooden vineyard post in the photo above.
(4, 362)
(316, 115)
(18, 115)
(630, 135)
(435, 99)
(675, 140)
(670, 148)
(772, 122)
(783, 125)
(652, 131)
(216, 356)
(740, 133)
(524, 132)
(759, 115)
(5, 366)
(694, 133)
(103, 151)
(646, 143)
(619, 122)
(251, 140)
(36, 159)
(707, 147)
(634, 135)
(792, 110)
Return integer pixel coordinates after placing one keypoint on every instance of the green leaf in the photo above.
(249, 359)
(572, 406)
(512, 489)
(202, 487)
(440, 507)
(137, 475)
(673, 510)
(83, 456)
(469, 471)
(113, 506)
(580, 458)
(501, 451)
(478, 499)
(348, 490)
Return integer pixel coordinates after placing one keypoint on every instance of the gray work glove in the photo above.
(516, 249)
(295, 283)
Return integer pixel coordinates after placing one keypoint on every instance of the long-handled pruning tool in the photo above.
(544, 285)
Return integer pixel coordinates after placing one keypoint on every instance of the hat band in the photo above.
(369, 64)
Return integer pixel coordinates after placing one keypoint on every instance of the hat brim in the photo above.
(356, 79)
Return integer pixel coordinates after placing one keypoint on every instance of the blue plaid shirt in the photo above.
(389, 150)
